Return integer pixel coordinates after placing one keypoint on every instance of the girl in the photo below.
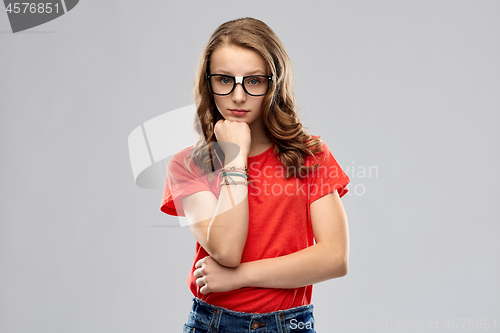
(256, 190)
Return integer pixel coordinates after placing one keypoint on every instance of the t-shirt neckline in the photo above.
(258, 155)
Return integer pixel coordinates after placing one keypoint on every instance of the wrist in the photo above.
(243, 276)
(244, 154)
(239, 160)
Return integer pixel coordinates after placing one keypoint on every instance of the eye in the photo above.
(225, 79)
(254, 81)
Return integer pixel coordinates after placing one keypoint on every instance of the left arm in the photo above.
(325, 260)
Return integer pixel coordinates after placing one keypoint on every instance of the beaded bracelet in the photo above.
(236, 183)
(234, 174)
(237, 174)
(245, 169)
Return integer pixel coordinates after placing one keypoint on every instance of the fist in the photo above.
(213, 277)
(236, 134)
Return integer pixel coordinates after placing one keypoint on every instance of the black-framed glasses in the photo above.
(254, 85)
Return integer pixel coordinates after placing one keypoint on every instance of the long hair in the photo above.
(281, 122)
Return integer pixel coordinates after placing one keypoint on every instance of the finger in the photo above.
(204, 290)
(200, 281)
(199, 263)
(198, 272)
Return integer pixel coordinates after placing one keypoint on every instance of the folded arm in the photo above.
(220, 226)
(325, 260)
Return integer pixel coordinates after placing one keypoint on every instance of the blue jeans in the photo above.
(207, 318)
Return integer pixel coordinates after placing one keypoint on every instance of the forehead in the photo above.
(236, 60)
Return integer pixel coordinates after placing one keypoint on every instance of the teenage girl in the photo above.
(256, 191)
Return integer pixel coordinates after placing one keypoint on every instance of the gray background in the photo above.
(410, 88)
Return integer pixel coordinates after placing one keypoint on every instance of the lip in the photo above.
(239, 112)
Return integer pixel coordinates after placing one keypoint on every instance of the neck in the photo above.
(258, 133)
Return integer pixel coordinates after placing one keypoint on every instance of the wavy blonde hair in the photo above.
(281, 122)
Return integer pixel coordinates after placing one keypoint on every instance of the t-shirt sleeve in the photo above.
(327, 177)
(180, 182)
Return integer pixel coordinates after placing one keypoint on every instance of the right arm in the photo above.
(221, 226)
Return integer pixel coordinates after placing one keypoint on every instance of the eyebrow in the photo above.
(221, 71)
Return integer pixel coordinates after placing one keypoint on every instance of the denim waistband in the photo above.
(211, 318)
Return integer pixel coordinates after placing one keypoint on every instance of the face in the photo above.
(237, 61)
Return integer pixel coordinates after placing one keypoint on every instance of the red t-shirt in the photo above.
(279, 220)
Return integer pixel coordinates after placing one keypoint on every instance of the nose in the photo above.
(239, 95)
